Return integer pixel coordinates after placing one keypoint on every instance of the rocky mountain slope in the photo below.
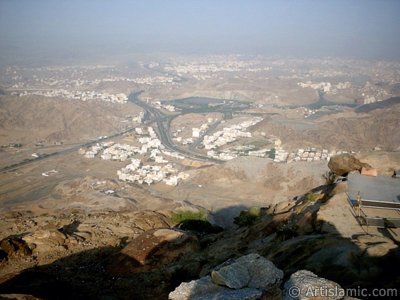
(342, 131)
(144, 255)
(33, 118)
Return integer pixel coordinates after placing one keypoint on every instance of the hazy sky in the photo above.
(350, 28)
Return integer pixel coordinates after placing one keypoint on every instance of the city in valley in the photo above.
(163, 123)
(214, 135)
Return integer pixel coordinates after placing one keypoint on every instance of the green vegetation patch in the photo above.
(248, 217)
(272, 153)
(186, 215)
(313, 197)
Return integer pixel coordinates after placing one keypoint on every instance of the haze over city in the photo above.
(362, 29)
(185, 150)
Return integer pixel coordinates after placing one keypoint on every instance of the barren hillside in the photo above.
(347, 131)
(33, 118)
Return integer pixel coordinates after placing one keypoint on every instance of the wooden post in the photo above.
(359, 204)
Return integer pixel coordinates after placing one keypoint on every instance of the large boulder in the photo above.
(252, 271)
(305, 285)
(186, 290)
(204, 289)
(248, 277)
(344, 163)
(152, 249)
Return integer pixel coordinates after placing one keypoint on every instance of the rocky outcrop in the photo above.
(45, 240)
(248, 277)
(17, 297)
(281, 207)
(305, 285)
(204, 288)
(345, 163)
(13, 247)
(153, 249)
(335, 216)
(135, 255)
(375, 246)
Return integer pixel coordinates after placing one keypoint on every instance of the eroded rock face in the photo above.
(45, 240)
(365, 258)
(304, 285)
(252, 271)
(345, 163)
(375, 246)
(12, 247)
(18, 297)
(154, 248)
(335, 216)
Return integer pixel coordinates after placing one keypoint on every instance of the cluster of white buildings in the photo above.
(79, 95)
(159, 105)
(373, 93)
(229, 134)
(311, 154)
(196, 133)
(216, 64)
(135, 172)
(193, 68)
(246, 150)
(148, 80)
(307, 112)
(120, 152)
(78, 77)
(95, 149)
(150, 144)
(327, 87)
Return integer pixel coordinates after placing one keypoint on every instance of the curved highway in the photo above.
(152, 114)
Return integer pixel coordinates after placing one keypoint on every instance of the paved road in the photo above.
(194, 146)
(16, 166)
(151, 114)
(163, 122)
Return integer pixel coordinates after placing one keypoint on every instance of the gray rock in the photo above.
(187, 290)
(228, 294)
(204, 289)
(244, 278)
(234, 276)
(304, 285)
(252, 271)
